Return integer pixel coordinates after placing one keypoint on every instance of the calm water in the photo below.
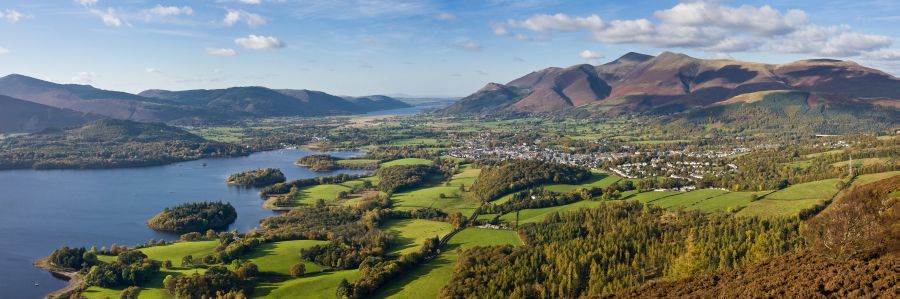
(41, 210)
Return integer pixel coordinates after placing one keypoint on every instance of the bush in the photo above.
(298, 270)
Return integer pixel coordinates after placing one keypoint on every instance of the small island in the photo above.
(256, 178)
(319, 162)
(194, 217)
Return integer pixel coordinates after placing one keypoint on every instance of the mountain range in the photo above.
(671, 82)
(38, 103)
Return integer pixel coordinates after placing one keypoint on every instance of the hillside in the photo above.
(109, 143)
(671, 82)
(18, 116)
(85, 98)
(157, 105)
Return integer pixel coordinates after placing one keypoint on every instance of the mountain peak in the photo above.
(632, 57)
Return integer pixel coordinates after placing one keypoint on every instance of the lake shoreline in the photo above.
(73, 278)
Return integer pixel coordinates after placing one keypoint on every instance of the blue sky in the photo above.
(417, 47)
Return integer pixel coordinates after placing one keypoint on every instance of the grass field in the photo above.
(816, 190)
(597, 179)
(426, 281)
(777, 208)
(407, 161)
(351, 162)
(413, 233)
(466, 176)
(416, 141)
(871, 178)
(837, 151)
(320, 285)
(312, 194)
(687, 199)
(279, 257)
(733, 200)
(649, 196)
(862, 162)
(537, 215)
(173, 252)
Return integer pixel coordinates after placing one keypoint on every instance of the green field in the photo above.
(777, 208)
(732, 200)
(466, 176)
(173, 252)
(416, 141)
(407, 161)
(321, 285)
(327, 192)
(687, 199)
(352, 162)
(813, 190)
(537, 215)
(412, 233)
(649, 196)
(871, 178)
(426, 281)
(598, 179)
(279, 257)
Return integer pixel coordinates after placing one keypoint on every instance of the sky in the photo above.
(413, 47)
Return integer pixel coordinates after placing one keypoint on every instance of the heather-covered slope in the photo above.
(18, 116)
(671, 82)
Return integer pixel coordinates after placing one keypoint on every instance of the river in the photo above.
(41, 210)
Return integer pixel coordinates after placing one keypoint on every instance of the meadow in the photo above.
(427, 280)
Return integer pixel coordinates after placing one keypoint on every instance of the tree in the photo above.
(131, 292)
(298, 270)
(344, 290)
(187, 261)
(247, 270)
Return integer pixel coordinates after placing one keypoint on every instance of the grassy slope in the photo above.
(427, 280)
(813, 190)
(320, 285)
(413, 233)
(407, 161)
(173, 252)
(279, 257)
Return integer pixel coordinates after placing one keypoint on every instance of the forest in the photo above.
(319, 162)
(511, 176)
(110, 144)
(194, 217)
(593, 252)
(256, 178)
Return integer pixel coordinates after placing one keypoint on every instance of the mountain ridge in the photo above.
(674, 82)
(158, 105)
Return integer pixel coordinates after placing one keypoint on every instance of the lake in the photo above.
(41, 210)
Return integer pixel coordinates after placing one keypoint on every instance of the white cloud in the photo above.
(446, 16)
(590, 55)
(257, 42)
(221, 51)
(713, 27)
(11, 16)
(883, 55)
(165, 11)
(84, 78)
(356, 9)
(3, 50)
(499, 29)
(152, 70)
(233, 16)
(251, 1)
(109, 17)
(87, 2)
(470, 46)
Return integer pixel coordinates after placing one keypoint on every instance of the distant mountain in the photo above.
(21, 116)
(376, 103)
(164, 106)
(85, 98)
(671, 82)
